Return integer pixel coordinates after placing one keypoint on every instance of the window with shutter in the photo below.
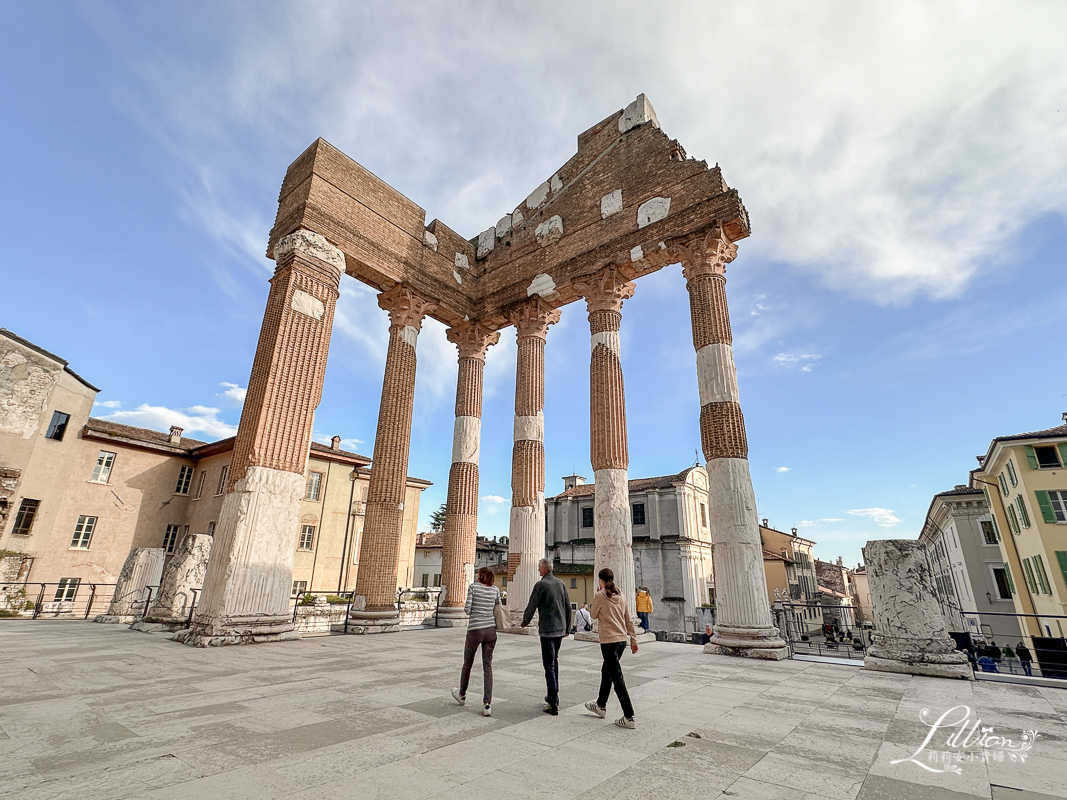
(1003, 484)
(1028, 572)
(1048, 513)
(1062, 447)
(1013, 520)
(1041, 575)
(1031, 456)
(1011, 582)
(1011, 473)
(1047, 457)
(1024, 517)
(1061, 559)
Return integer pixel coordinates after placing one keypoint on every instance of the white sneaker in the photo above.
(623, 722)
(595, 709)
(487, 711)
(460, 698)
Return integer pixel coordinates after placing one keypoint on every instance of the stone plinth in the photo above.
(367, 622)
(173, 603)
(447, 617)
(142, 569)
(910, 634)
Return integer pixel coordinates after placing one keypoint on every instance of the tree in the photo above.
(437, 519)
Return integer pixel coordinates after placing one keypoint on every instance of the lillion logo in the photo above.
(968, 741)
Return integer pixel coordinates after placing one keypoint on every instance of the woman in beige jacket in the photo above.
(609, 609)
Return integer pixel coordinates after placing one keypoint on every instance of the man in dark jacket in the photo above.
(549, 599)
(1023, 654)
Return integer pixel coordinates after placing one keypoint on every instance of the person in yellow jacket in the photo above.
(644, 606)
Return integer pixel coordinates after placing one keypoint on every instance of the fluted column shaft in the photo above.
(743, 618)
(250, 571)
(379, 551)
(604, 293)
(461, 505)
(526, 537)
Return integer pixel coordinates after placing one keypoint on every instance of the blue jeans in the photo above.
(550, 660)
(643, 615)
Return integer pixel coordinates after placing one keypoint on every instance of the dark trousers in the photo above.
(611, 675)
(486, 639)
(643, 616)
(550, 660)
(1026, 668)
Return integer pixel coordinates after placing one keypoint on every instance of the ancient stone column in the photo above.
(910, 634)
(379, 550)
(461, 506)
(173, 601)
(250, 572)
(744, 625)
(142, 568)
(604, 293)
(526, 535)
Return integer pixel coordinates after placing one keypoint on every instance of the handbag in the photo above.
(500, 615)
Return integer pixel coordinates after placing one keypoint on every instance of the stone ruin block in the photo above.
(173, 602)
(143, 568)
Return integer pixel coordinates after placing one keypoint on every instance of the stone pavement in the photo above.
(99, 711)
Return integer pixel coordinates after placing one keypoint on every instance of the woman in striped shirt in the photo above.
(482, 599)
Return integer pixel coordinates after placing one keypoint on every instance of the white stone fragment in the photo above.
(312, 244)
(462, 262)
(486, 242)
(526, 538)
(614, 534)
(183, 574)
(555, 183)
(466, 440)
(653, 210)
(410, 335)
(637, 113)
(503, 226)
(429, 240)
(542, 285)
(143, 568)
(717, 374)
(456, 275)
(530, 428)
(305, 304)
(611, 204)
(636, 254)
(517, 218)
(609, 339)
(537, 196)
(549, 231)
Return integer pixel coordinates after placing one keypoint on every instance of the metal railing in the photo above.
(53, 600)
(823, 629)
(1047, 654)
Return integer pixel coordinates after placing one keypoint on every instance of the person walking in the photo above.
(583, 622)
(644, 606)
(549, 599)
(609, 609)
(1023, 654)
(482, 599)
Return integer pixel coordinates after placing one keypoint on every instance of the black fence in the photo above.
(1039, 657)
(54, 600)
(823, 629)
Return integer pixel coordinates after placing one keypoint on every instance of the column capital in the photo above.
(605, 290)
(309, 243)
(532, 318)
(406, 309)
(704, 255)
(472, 338)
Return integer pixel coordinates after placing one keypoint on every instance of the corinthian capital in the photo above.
(704, 255)
(532, 317)
(472, 338)
(406, 309)
(309, 243)
(605, 290)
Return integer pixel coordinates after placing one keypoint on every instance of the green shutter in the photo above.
(1046, 507)
(1003, 484)
(1031, 456)
(996, 528)
(1023, 515)
(1028, 571)
(1042, 576)
(1013, 520)
(1061, 557)
(1007, 574)
(1011, 473)
(1063, 453)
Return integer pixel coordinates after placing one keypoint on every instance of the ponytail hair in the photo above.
(610, 589)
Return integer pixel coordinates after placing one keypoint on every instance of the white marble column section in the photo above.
(143, 568)
(173, 601)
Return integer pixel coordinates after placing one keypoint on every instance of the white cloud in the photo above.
(805, 361)
(234, 393)
(782, 469)
(494, 498)
(108, 403)
(831, 519)
(883, 517)
(195, 419)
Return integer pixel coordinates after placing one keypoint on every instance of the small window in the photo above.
(1013, 520)
(67, 590)
(1024, 517)
(1041, 575)
(1003, 484)
(102, 470)
(314, 486)
(307, 537)
(703, 516)
(200, 485)
(27, 514)
(638, 514)
(504, 581)
(58, 426)
(587, 517)
(222, 480)
(437, 579)
(1002, 580)
(83, 533)
(1058, 501)
(1028, 573)
(1011, 474)
(989, 533)
(574, 583)
(211, 528)
(1047, 457)
(299, 587)
(425, 579)
(185, 477)
(170, 538)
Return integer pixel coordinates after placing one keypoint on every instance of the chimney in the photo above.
(335, 443)
(176, 434)
(840, 561)
(1063, 416)
(570, 481)
(765, 525)
(981, 460)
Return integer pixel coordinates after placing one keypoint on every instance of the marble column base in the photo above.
(116, 619)
(943, 667)
(159, 625)
(447, 617)
(747, 643)
(363, 623)
(237, 630)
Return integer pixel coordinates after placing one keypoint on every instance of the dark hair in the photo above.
(485, 575)
(610, 589)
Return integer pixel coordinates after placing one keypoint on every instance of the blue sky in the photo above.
(900, 302)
